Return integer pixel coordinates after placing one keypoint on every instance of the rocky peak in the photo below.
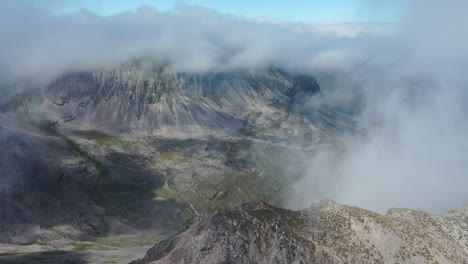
(254, 233)
(136, 95)
(261, 233)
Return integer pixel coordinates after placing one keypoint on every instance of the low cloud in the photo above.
(38, 44)
(414, 147)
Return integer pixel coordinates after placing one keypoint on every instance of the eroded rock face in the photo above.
(137, 97)
(255, 233)
(325, 233)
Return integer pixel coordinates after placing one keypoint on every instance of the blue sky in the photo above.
(291, 10)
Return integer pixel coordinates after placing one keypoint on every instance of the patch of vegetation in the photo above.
(172, 156)
(109, 244)
(133, 241)
(185, 217)
(264, 214)
(99, 137)
(170, 193)
(81, 246)
(231, 191)
(48, 127)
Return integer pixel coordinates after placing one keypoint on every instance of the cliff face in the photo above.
(138, 97)
(325, 233)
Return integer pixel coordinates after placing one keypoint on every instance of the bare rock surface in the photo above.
(325, 233)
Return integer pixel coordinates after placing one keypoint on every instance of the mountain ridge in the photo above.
(324, 233)
(152, 99)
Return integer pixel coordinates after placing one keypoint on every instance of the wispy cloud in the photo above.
(413, 153)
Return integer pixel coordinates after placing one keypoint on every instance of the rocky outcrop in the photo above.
(254, 233)
(325, 233)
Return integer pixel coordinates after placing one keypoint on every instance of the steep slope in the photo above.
(325, 233)
(43, 186)
(255, 233)
(138, 98)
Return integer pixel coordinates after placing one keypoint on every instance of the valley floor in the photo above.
(114, 249)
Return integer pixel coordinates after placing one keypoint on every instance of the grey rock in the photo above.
(337, 234)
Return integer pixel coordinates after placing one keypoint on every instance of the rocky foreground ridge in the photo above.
(324, 233)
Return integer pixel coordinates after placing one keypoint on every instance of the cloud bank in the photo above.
(414, 150)
(411, 80)
(38, 44)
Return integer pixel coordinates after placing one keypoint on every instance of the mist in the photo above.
(410, 76)
(413, 151)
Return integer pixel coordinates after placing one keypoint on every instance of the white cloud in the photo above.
(43, 45)
(415, 146)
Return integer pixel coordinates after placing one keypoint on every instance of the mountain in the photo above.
(136, 97)
(176, 144)
(325, 233)
(98, 166)
(136, 147)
